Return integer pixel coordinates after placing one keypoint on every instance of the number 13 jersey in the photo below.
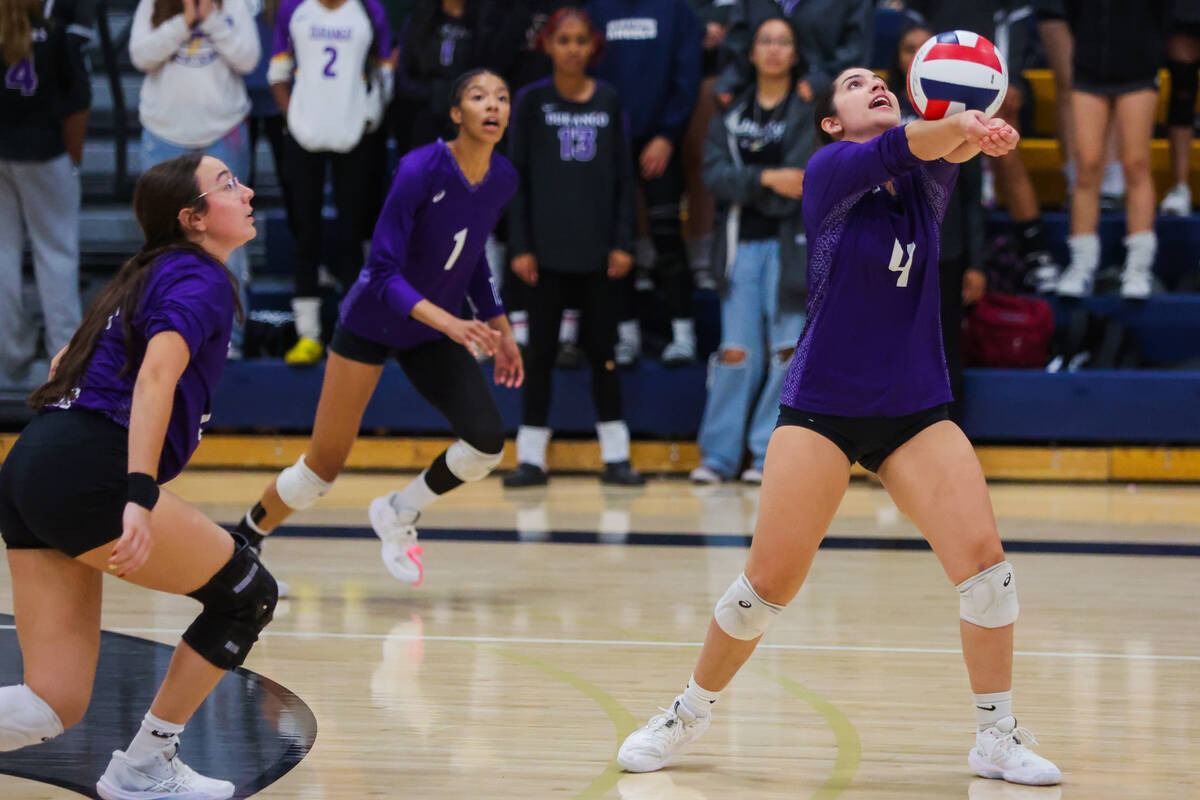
(872, 346)
(429, 245)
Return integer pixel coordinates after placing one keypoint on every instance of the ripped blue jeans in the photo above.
(746, 373)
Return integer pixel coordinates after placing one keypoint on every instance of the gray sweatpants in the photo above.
(42, 197)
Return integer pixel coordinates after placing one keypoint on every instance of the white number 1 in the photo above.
(897, 266)
(460, 239)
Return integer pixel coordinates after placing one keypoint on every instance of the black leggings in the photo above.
(662, 196)
(594, 295)
(306, 177)
(446, 375)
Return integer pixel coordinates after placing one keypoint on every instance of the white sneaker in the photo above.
(1178, 202)
(653, 746)
(626, 354)
(704, 475)
(1041, 272)
(1136, 283)
(1077, 281)
(1000, 752)
(397, 529)
(163, 775)
(753, 475)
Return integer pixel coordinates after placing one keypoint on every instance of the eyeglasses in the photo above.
(231, 185)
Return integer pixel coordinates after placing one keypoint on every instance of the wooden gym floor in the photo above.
(553, 622)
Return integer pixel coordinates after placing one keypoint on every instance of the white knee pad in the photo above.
(468, 464)
(741, 613)
(25, 718)
(989, 599)
(299, 487)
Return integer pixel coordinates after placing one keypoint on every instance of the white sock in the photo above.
(25, 718)
(699, 700)
(1140, 249)
(629, 332)
(683, 331)
(416, 495)
(568, 329)
(1085, 251)
(531, 445)
(307, 311)
(154, 735)
(991, 708)
(614, 440)
(519, 320)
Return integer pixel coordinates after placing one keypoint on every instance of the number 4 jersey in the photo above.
(324, 53)
(873, 343)
(429, 245)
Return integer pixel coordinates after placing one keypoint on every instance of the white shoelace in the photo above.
(1018, 739)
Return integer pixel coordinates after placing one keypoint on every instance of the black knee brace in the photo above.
(238, 603)
(1185, 82)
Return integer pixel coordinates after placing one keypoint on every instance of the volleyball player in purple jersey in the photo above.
(427, 258)
(122, 412)
(868, 383)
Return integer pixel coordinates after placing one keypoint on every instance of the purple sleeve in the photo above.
(482, 291)
(845, 170)
(389, 248)
(193, 304)
(937, 182)
(282, 40)
(383, 33)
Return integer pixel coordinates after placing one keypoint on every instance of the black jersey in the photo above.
(575, 201)
(43, 89)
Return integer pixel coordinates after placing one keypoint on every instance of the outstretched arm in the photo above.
(959, 137)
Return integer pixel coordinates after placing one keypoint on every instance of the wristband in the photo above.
(143, 490)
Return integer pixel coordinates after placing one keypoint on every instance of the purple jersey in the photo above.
(429, 245)
(873, 342)
(186, 293)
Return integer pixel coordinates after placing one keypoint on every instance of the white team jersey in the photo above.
(324, 53)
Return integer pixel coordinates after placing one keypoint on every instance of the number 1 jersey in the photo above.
(429, 245)
(872, 346)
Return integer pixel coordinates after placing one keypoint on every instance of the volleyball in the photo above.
(957, 71)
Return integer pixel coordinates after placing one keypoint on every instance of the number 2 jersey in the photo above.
(325, 51)
(872, 346)
(429, 245)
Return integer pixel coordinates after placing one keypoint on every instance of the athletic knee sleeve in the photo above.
(238, 603)
(741, 613)
(989, 599)
(1185, 82)
(299, 487)
(468, 464)
(25, 718)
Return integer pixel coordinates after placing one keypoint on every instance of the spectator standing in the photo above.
(571, 230)
(834, 34)
(442, 41)
(1119, 48)
(1183, 65)
(195, 54)
(330, 74)
(265, 116)
(754, 162)
(652, 57)
(43, 117)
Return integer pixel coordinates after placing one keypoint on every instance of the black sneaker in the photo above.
(621, 473)
(525, 475)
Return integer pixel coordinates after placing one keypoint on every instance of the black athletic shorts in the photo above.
(63, 484)
(867, 440)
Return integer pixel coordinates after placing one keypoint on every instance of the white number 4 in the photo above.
(460, 239)
(897, 266)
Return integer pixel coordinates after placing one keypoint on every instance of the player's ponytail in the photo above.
(16, 29)
(823, 107)
(161, 192)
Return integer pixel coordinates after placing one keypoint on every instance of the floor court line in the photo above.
(651, 643)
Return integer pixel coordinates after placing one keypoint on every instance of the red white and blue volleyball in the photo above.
(957, 71)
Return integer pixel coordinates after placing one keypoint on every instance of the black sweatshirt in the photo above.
(575, 201)
(39, 93)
